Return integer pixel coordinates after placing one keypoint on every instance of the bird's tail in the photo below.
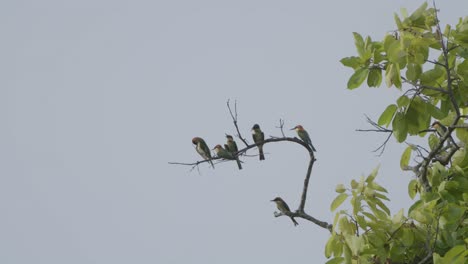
(294, 221)
(239, 164)
(211, 162)
(313, 149)
(260, 151)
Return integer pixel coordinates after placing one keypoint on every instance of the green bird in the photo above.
(284, 208)
(231, 146)
(303, 135)
(202, 149)
(225, 154)
(440, 129)
(258, 138)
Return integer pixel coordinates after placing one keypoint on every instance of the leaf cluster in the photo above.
(430, 67)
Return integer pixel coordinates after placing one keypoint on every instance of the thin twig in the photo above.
(378, 128)
(281, 126)
(234, 120)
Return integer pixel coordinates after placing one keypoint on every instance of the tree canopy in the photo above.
(427, 63)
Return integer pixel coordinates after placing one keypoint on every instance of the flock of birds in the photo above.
(230, 149)
(230, 152)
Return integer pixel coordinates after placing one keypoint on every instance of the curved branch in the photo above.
(300, 211)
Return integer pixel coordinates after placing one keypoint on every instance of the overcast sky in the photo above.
(98, 96)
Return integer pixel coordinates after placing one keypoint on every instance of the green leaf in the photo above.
(398, 21)
(417, 116)
(346, 227)
(357, 78)
(462, 134)
(400, 127)
(407, 237)
(354, 184)
(359, 42)
(403, 101)
(387, 115)
(361, 221)
(329, 246)
(462, 69)
(370, 216)
(373, 174)
(398, 217)
(456, 255)
(395, 52)
(413, 71)
(340, 188)
(392, 75)
(375, 77)
(355, 243)
(352, 62)
(459, 157)
(432, 77)
(338, 201)
(435, 111)
(382, 206)
(433, 141)
(381, 196)
(377, 187)
(413, 188)
(337, 260)
(404, 161)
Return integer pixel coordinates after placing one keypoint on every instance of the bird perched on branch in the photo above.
(258, 138)
(440, 129)
(202, 149)
(231, 146)
(225, 154)
(284, 208)
(303, 135)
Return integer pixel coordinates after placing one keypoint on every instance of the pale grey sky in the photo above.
(98, 96)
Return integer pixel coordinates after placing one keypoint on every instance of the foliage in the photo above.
(429, 66)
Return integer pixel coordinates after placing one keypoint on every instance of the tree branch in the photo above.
(378, 128)
(300, 211)
(234, 120)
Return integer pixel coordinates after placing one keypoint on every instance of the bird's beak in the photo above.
(292, 128)
(272, 200)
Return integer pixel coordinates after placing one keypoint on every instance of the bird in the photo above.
(231, 146)
(284, 208)
(440, 129)
(202, 149)
(225, 154)
(258, 137)
(304, 136)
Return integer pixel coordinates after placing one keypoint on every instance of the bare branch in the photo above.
(281, 126)
(383, 146)
(234, 120)
(305, 216)
(446, 65)
(378, 128)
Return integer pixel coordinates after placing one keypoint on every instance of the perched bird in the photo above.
(231, 146)
(303, 135)
(258, 137)
(202, 149)
(440, 129)
(225, 154)
(284, 208)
